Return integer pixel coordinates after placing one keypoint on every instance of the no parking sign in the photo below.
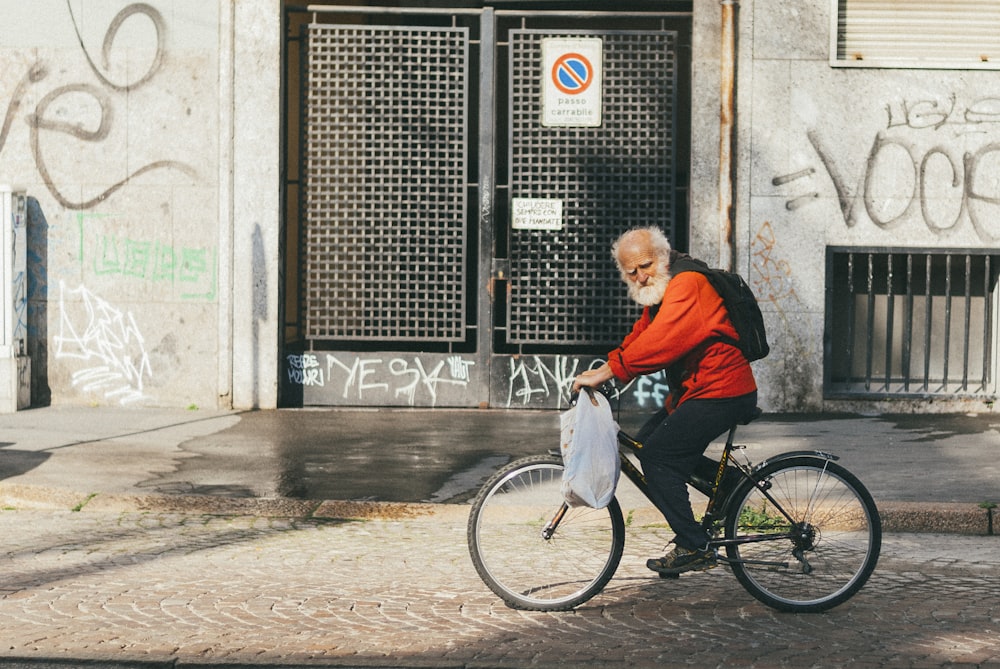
(571, 82)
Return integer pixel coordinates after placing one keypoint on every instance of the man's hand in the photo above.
(593, 378)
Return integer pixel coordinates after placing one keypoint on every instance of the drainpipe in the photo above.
(727, 135)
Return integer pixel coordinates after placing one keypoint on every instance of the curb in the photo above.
(897, 517)
(24, 497)
(936, 518)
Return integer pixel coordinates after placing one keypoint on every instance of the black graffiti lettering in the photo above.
(986, 110)
(881, 146)
(936, 183)
(937, 114)
(940, 156)
(844, 196)
(40, 120)
(982, 207)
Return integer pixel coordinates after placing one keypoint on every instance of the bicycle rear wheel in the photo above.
(523, 567)
(828, 548)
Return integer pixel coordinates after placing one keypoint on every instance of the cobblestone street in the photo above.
(188, 590)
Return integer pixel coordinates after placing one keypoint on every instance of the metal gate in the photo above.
(564, 288)
(386, 144)
(421, 133)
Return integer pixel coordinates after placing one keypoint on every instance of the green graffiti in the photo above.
(149, 260)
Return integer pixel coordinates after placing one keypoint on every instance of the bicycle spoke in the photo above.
(534, 552)
(830, 548)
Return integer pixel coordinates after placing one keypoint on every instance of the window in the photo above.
(949, 34)
(911, 323)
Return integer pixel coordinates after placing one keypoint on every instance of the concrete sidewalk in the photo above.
(210, 540)
(928, 473)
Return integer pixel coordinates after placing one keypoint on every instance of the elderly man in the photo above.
(685, 330)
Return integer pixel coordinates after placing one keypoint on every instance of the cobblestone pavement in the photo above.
(120, 588)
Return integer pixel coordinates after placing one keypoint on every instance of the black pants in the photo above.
(672, 446)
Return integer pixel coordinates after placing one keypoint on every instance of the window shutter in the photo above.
(954, 34)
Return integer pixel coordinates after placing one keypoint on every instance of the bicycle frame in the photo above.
(627, 445)
(773, 523)
(714, 514)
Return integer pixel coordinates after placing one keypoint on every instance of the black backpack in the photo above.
(740, 302)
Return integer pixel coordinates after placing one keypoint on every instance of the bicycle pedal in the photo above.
(662, 575)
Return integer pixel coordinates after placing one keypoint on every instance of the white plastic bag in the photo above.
(589, 445)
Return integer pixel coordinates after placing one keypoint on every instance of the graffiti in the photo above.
(773, 281)
(20, 310)
(138, 9)
(936, 114)
(109, 254)
(540, 380)
(357, 375)
(156, 262)
(95, 332)
(419, 377)
(48, 115)
(921, 167)
(801, 200)
(35, 73)
(650, 391)
(304, 370)
(24, 381)
(16, 270)
(533, 378)
(535, 381)
(366, 379)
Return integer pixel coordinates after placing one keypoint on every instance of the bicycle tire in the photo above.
(837, 527)
(526, 570)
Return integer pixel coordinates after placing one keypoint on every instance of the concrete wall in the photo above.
(835, 156)
(119, 122)
(147, 136)
(255, 205)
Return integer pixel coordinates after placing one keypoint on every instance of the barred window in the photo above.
(911, 323)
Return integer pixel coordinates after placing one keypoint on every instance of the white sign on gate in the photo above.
(534, 213)
(572, 82)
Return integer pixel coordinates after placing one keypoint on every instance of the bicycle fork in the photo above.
(550, 527)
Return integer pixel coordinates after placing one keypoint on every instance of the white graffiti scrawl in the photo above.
(366, 379)
(94, 331)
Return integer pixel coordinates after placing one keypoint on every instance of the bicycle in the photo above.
(800, 532)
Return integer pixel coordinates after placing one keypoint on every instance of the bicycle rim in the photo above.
(526, 570)
(836, 531)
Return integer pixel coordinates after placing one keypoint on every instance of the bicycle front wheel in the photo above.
(530, 550)
(811, 545)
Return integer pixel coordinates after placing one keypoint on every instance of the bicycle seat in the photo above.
(754, 415)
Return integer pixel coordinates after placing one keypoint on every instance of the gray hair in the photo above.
(658, 240)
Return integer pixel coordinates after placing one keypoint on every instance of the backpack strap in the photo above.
(682, 262)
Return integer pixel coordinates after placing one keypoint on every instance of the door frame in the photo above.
(374, 376)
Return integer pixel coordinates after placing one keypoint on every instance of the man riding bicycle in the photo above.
(685, 330)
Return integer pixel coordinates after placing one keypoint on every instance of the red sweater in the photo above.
(685, 330)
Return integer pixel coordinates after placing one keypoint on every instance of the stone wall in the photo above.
(832, 156)
(118, 122)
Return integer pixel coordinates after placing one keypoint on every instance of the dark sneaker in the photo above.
(680, 560)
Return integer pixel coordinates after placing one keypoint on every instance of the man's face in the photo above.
(644, 271)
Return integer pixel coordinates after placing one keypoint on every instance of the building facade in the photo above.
(262, 203)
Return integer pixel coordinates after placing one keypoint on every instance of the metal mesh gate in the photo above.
(385, 161)
(564, 287)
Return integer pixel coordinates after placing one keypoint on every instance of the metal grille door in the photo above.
(385, 162)
(565, 289)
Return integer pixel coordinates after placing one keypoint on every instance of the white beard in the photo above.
(651, 293)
